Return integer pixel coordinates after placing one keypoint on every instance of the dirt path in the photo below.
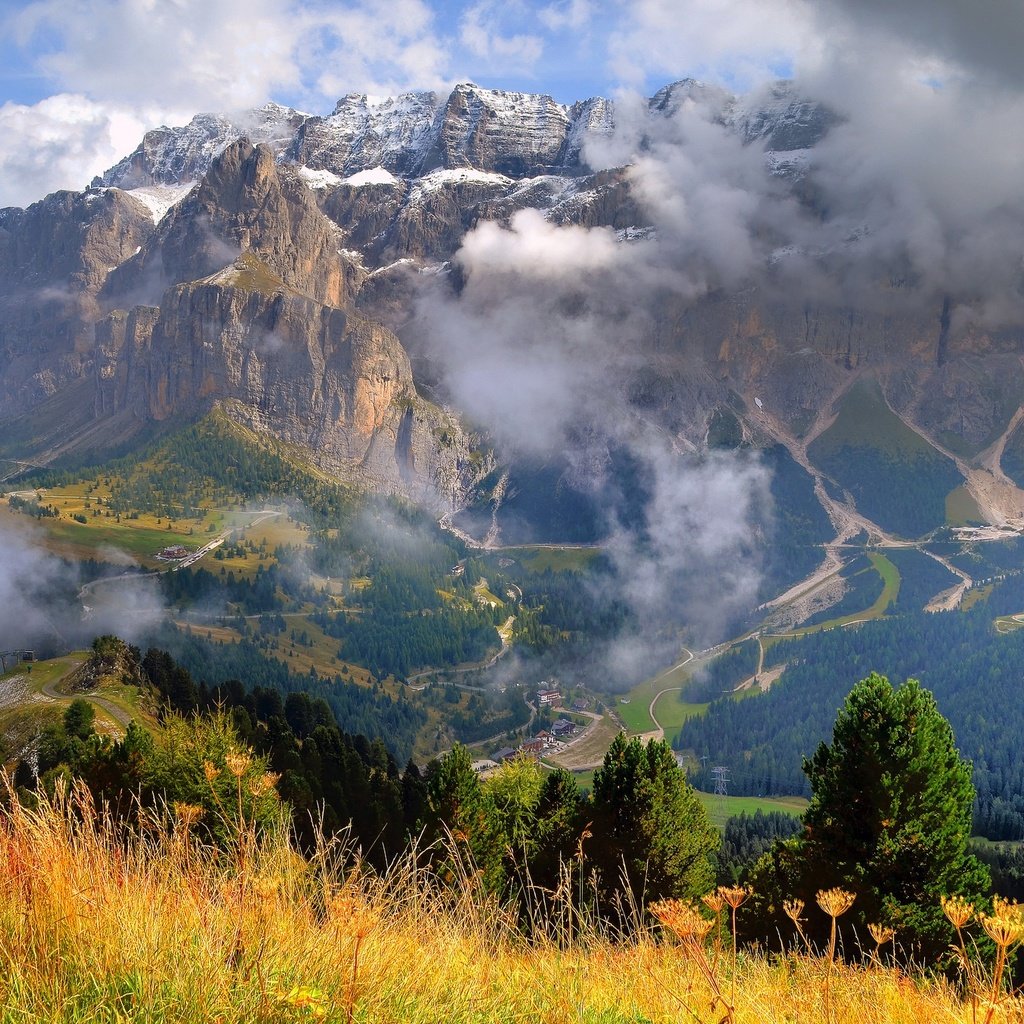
(119, 715)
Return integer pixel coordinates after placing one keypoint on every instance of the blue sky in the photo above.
(568, 48)
(82, 80)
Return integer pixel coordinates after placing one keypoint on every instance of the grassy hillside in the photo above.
(100, 928)
(871, 453)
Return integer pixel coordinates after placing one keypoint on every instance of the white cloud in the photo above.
(569, 14)
(181, 54)
(736, 42)
(60, 142)
(480, 31)
(378, 47)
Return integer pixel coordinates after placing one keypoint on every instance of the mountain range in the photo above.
(296, 270)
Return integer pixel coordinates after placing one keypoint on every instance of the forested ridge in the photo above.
(975, 673)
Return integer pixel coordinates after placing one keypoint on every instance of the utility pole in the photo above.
(721, 777)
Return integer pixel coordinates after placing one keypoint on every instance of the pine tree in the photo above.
(889, 820)
(649, 828)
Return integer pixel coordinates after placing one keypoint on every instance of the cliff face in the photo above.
(254, 260)
(243, 203)
(54, 258)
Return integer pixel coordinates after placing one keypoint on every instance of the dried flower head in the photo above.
(353, 916)
(264, 784)
(881, 933)
(237, 762)
(1005, 925)
(186, 815)
(210, 771)
(835, 902)
(958, 910)
(793, 909)
(682, 918)
(713, 901)
(734, 895)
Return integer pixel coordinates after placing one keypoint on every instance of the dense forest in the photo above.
(974, 672)
(361, 709)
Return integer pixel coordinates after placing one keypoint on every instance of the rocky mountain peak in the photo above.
(783, 119)
(172, 156)
(246, 201)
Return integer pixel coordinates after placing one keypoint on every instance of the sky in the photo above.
(81, 80)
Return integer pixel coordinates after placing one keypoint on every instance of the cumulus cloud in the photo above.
(60, 142)
(739, 43)
(221, 52)
(375, 46)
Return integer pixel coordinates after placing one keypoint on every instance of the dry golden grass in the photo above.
(97, 927)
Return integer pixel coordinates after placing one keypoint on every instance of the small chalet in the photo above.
(504, 754)
(580, 704)
(535, 746)
(173, 553)
(563, 727)
(549, 698)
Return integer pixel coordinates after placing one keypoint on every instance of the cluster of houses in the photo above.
(547, 740)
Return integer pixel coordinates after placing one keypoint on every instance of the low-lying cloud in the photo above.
(46, 608)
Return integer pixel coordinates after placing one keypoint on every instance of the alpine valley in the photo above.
(426, 404)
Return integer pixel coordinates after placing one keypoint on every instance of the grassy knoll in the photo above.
(104, 925)
(871, 452)
(636, 714)
(538, 559)
(32, 696)
(890, 590)
(77, 540)
(669, 710)
(720, 809)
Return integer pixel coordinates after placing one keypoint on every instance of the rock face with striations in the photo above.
(252, 260)
(245, 202)
(314, 375)
(54, 259)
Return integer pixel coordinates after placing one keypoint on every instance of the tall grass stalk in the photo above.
(98, 923)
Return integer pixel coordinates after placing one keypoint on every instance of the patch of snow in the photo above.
(437, 269)
(635, 233)
(373, 176)
(437, 180)
(158, 199)
(405, 261)
(319, 179)
(558, 187)
(352, 255)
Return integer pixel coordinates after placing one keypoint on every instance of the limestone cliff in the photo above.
(317, 376)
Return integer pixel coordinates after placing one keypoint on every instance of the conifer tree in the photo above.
(889, 820)
(649, 828)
